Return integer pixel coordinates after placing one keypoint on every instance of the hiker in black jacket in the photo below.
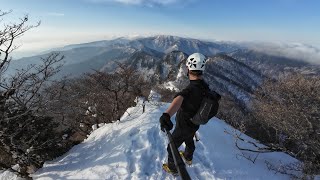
(186, 103)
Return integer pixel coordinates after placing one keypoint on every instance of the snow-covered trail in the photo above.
(135, 148)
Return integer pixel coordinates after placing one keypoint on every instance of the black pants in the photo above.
(179, 136)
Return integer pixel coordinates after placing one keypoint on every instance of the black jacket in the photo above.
(192, 97)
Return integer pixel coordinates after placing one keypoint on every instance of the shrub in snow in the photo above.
(284, 116)
(31, 140)
(164, 94)
(97, 98)
(94, 127)
(289, 112)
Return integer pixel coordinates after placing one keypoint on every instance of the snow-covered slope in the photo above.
(166, 44)
(224, 74)
(230, 76)
(135, 148)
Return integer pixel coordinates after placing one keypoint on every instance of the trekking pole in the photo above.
(177, 158)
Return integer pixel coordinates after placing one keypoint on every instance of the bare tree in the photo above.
(26, 132)
(285, 118)
(28, 136)
(121, 87)
(8, 34)
(96, 98)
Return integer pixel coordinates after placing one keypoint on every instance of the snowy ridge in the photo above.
(166, 44)
(135, 148)
(227, 75)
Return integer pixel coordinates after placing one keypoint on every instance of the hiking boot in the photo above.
(188, 160)
(172, 167)
(166, 168)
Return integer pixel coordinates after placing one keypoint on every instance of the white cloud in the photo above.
(141, 2)
(297, 51)
(55, 14)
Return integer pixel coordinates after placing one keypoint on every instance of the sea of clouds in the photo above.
(298, 51)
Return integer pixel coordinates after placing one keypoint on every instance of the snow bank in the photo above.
(7, 175)
(135, 148)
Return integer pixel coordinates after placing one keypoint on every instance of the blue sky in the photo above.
(74, 21)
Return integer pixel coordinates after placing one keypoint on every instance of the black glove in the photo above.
(165, 122)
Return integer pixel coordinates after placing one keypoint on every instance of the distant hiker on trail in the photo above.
(186, 103)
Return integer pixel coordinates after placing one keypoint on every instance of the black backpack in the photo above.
(208, 108)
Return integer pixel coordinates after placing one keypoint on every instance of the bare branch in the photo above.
(9, 34)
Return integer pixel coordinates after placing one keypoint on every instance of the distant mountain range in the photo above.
(94, 55)
(231, 69)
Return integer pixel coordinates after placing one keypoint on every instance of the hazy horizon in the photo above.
(80, 21)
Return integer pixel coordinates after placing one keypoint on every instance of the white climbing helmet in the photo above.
(196, 61)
